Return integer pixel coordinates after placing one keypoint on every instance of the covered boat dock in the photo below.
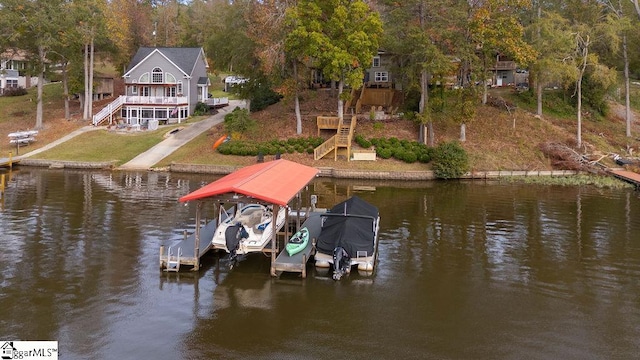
(274, 183)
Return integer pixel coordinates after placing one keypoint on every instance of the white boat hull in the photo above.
(257, 222)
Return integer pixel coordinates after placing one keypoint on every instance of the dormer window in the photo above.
(376, 61)
(156, 76)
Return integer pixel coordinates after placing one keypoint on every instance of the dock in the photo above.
(628, 176)
(8, 162)
(182, 252)
(298, 262)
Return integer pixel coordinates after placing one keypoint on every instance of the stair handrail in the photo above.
(108, 110)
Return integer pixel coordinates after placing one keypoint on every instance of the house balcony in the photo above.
(503, 65)
(155, 100)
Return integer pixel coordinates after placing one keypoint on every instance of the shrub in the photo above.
(450, 161)
(262, 97)
(19, 91)
(239, 121)
(201, 109)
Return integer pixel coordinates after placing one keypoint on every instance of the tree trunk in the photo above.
(579, 137)
(85, 107)
(424, 102)
(430, 134)
(65, 89)
(42, 54)
(539, 88)
(297, 99)
(340, 102)
(627, 100)
(90, 98)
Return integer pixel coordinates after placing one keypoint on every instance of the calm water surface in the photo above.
(467, 270)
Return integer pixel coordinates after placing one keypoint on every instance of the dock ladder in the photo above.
(173, 264)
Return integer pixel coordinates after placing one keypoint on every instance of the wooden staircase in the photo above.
(341, 141)
(108, 111)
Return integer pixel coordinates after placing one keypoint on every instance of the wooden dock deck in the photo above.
(298, 262)
(185, 249)
(627, 176)
(8, 162)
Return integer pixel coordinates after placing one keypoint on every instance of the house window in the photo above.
(381, 76)
(169, 78)
(179, 88)
(134, 90)
(156, 76)
(376, 61)
(12, 83)
(144, 78)
(144, 91)
(170, 91)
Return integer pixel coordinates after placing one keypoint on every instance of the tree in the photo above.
(36, 26)
(496, 30)
(419, 34)
(341, 36)
(553, 40)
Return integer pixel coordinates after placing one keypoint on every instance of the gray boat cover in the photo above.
(349, 224)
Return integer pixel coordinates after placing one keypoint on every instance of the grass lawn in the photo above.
(103, 145)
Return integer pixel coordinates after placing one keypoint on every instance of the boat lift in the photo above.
(274, 183)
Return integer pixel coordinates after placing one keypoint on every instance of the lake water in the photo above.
(467, 270)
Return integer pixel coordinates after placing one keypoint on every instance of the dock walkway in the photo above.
(182, 252)
(627, 176)
(298, 262)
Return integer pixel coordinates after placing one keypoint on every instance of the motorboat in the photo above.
(249, 230)
(348, 237)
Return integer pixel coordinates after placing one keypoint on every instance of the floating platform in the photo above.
(298, 262)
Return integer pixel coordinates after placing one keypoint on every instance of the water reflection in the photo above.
(476, 270)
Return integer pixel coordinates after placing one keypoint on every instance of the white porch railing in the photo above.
(159, 100)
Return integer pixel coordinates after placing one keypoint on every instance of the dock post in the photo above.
(10, 161)
(161, 255)
(304, 266)
(274, 238)
(2, 184)
(196, 248)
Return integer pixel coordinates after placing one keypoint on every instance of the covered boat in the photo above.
(349, 237)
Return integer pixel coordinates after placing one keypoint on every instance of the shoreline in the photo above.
(330, 172)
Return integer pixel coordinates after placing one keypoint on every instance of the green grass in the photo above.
(102, 146)
(578, 180)
(13, 107)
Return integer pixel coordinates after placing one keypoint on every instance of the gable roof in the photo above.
(183, 58)
(276, 182)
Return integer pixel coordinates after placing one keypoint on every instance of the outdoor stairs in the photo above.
(108, 111)
(342, 140)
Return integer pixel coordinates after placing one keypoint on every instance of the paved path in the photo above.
(163, 149)
(152, 156)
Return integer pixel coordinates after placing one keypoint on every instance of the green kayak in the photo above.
(298, 241)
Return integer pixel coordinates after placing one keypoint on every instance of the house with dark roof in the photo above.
(13, 70)
(161, 85)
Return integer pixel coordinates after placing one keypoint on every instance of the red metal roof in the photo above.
(276, 182)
